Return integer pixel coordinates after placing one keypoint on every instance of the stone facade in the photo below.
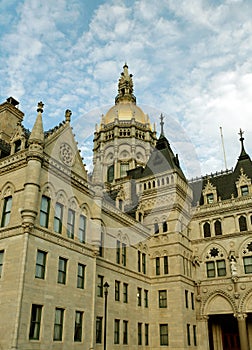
(176, 254)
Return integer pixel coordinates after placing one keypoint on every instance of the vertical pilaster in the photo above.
(203, 335)
(243, 335)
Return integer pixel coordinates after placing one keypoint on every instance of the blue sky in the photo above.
(190, 60)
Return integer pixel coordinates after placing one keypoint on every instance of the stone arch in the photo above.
(73, 203)
(48, 190)
(246, 302)
(8, 189)
(61, 197)
(213, 245)
(125, 239)
(218, 302)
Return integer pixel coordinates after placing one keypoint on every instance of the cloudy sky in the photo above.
(190, 60)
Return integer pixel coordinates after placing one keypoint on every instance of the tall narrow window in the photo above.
(124, 254)
(163, 331)
(125, 332)
(58, 215)
(6, 211)
(165, 226)
(210, 266)
(81, 276)
(157, 266)
(217, 228)
(70, 223)
(62, 268)
(156, 228)
(117, 332)
(40, 264)
(125, 292)
(244, 190)
(101, 246)
(118, 251)
(98, 330)
(100, 286)
(188, 334)
(138, 261)
(44, 211)
(146, 333)
(78, 326)
(207, 229)
(162, 296)
(221, 268)
(243, 223)
(36, 312)
(139, 296)
(139, 333)
(192, 300)
(186, 298)
(117, 290)
(194, 335)
(1, 262)
(144, 263)
(166, 270)
(146, 298)
(247, 262)
(58, 324)
(210, 198)
(110, 173)
(82, 229)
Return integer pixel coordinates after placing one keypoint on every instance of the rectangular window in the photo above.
(188, 334)
(44, 211)
(210, 198)
(117, 332)
(146, 299)
(247, 263)
(194, 335)
(186, 299)
(98, 330)
(244, 190)
(117, 291)
(36, 312)
(162, 297)
(138, 261)
(125, 292)
(210, 266)
(101, 246)
(118, 252)
(124, 254)
(146, 333)
(192, 300)
(62, 269)
(166, 271)
(125, 332)
(157, 266)
(139, 333)
(78, 326)
(70, 223)
(1, 262)
(100, 286)
(82, 228)
(221, 268)
(139, 296)
(6, 211)
(144, 263)
(163, 330)
(58, 324)
(81, 276)
(40, 264)
(58, 215)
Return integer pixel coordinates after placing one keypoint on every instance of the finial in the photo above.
(162, 124)
(68, 114)
(40, 107)
(241, 139)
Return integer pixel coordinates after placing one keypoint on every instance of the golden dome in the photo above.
(125, 110)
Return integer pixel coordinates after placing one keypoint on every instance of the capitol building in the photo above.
(134, 256)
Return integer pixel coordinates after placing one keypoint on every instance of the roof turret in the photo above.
(37, 134)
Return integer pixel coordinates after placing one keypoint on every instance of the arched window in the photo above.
(140, 216)
(149, 185)
(17, 145)
(110, 174)
(120, 203)
(153, 184)
(156, 228)
(243, 223)
(165, 226)
(217, 228)
(207, 229)
(144, 186)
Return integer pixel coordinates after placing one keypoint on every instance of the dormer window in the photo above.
(244, 190)
(17, 146)
(210, 198)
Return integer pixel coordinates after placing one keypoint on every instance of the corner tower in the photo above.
(124, 139)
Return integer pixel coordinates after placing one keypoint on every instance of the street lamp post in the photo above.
(106, 287)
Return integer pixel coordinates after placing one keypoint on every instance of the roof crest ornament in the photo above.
(162, 124)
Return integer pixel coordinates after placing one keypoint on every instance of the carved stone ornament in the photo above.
(66, 154)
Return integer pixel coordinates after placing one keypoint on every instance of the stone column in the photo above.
(242, 327)
(202, 333)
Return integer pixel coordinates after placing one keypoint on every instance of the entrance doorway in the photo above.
(223, 332)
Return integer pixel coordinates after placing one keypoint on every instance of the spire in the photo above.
(125, 87)
(37, 134)
(162, 124)
(243, 154)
